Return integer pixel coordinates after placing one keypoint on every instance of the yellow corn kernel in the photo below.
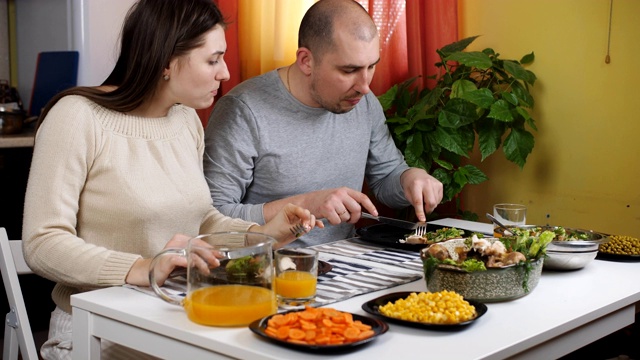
(443, 307)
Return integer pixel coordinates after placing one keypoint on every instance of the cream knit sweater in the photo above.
(106, 188)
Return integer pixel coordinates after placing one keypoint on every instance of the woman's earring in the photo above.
(166, 78)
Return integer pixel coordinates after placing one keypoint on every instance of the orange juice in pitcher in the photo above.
(229, 305)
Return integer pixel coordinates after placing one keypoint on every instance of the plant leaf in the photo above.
(451, 140)
(532, 124)
(442, 176)
(474, 175)
(460, 178)
(430, 99)
(386, 99)
(480, 97)
(414, 144)
(500, 111)
(476, 59)
(460, 87)
(444, 164)
(456, 46)
(523, 112)
(522, 94)
(399, 130)
(456, 113)
(415, 161)
(518, 72)
(509, 97)
(528, 59)
(397, 120)
(518, 145)
(489, 136)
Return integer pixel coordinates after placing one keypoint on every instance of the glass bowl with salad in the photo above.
(487, 269)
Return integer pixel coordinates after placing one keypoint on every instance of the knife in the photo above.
(395, 222)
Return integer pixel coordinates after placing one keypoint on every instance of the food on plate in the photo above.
(433, 237)
(621, 245)
(317, 326)
(443, 307)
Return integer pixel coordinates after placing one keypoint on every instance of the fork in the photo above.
(421, 230)
(297, 230)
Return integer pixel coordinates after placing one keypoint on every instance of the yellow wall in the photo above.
(585, 167)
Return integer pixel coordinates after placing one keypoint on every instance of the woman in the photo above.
(117, 169)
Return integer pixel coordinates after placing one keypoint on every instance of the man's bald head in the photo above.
(325, 17)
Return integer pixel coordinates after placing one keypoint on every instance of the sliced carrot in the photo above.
(326, 322)
(361, 326)
(308, 325)
(310, 335)
(271, 332)
(292, 317)
(322, 340)
(294, 341)
(278, 319)
(307, 315)
(365, 334)
(317, 326)
(297, 334)
(283, 332)
(352, 333)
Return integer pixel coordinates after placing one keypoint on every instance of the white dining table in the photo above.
(566, 311)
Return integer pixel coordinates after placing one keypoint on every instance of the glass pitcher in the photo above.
(235, 293)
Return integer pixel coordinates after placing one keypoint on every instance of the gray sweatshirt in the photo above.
(261, 144)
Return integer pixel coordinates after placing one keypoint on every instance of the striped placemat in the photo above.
(347, 279)
(353, 248)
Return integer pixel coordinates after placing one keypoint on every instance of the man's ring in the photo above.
(342, 213)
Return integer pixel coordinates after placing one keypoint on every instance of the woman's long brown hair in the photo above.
(154, 32)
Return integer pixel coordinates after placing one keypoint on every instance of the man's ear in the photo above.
(304, 60)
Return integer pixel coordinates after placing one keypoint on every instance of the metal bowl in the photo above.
(565, 260)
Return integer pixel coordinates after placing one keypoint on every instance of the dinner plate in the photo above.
(389, 236)
(324, 267)
(617, 257)
(379, 327)
(372, 308)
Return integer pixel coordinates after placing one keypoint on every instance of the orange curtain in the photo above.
(390, 19)
(431, 24)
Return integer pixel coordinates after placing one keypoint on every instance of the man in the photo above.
(310, 133)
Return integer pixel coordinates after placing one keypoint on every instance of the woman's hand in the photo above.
(288, 217)
(139, 273)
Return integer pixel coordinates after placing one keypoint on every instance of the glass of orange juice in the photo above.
(229, 278)
(296, 276)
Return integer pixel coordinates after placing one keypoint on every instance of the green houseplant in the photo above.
(479, 96)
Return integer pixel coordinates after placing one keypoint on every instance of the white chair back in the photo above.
(17, 329)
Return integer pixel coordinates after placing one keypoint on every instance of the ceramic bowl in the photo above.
(492, 285)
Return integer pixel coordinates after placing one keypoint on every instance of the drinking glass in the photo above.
(510, 215)
(296, 277)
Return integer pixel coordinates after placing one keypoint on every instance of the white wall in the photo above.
(98, 24)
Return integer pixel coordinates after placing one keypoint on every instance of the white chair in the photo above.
(17, 330)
